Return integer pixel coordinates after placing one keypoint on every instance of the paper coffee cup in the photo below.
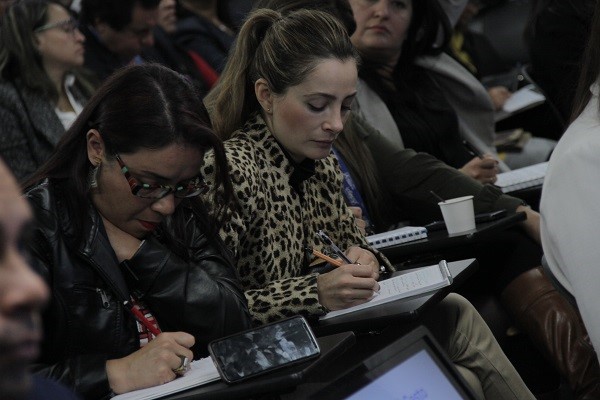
(458, 214)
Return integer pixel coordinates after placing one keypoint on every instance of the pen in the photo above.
(472, 149)
(140, 317)
(336, 249)
(325, 257)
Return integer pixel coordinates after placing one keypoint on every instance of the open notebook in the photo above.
(397, 236)
(522, 178)
(201, 372)
(527, 96)
(413, 283)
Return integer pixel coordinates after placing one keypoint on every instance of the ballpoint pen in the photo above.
(325, 257)
(336, 249)
(141, 318)
(472, 149)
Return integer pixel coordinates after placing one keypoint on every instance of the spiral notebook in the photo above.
(397, 236)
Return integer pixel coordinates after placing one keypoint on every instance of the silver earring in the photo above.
(268, 110)
(93, 177)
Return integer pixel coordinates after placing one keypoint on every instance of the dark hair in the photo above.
(590, 66)
(364, 171)
(280, 49)
(139, 107)
(428, 34)
(116, 13)
(338, 8)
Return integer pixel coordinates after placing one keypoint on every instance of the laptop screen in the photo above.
(416, 378)
(413, 367)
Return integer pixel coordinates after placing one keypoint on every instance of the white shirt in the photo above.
(570, 210)
(68, 117)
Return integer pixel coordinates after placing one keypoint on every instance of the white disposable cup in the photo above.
(458, 214)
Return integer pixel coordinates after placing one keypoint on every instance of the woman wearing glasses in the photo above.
(125, 243)
(41, 87)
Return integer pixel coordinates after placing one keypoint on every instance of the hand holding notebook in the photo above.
(406, 285)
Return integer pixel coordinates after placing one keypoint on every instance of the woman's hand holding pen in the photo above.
(350, 284)
(483, 169)
(151, 365)
(347, 285)
(499, 95)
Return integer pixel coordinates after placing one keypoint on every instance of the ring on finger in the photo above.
(183, 367)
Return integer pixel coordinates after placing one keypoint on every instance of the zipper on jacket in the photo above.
(103, 297)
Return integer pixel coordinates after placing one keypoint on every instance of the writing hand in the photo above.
(499, 95)
(151, 365)
(346, 286)
(483, 169)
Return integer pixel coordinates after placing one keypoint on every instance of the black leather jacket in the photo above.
(86, 323)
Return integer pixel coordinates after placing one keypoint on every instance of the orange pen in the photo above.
(330, 260)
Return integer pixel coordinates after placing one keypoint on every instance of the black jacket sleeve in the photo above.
(200, 296)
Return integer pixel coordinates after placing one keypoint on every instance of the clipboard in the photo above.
(408, 309)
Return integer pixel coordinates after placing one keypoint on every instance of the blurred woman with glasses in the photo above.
(42, 88)
(126, 244)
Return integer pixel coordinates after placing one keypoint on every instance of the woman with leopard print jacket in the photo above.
(287, 187)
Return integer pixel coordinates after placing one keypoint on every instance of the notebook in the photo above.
(413, 283)
(522, 178)
(527, 96)
(201, 372)
(396, 236)
(412, 367)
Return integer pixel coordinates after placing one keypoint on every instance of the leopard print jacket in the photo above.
(273, 223)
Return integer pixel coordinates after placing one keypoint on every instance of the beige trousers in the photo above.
(471, 346)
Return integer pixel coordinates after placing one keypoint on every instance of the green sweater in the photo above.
(408, 178)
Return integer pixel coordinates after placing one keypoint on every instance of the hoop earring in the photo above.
(93, 177)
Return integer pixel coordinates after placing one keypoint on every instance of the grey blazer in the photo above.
(29, 127)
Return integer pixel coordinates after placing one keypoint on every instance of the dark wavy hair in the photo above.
(139, 107)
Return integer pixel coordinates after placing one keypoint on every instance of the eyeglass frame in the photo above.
(136, 185)
(60, 24)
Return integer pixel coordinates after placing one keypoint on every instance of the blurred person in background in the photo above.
(116, 32)
(204, 27)
(167, 52)
(42, 87)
